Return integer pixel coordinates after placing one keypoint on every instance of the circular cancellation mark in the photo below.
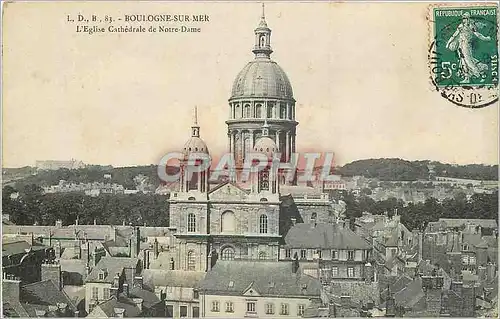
(453, 76)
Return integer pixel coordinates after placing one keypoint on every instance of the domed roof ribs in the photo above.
(262, 48)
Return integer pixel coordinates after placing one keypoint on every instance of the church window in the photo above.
(263, 224)
(270, 110)
(247, 110)
(191, 222)
(282, 111)
(258, 111)
(227, 253)
(228, 222)
(262, 255)
(262, 40)
(191, 260)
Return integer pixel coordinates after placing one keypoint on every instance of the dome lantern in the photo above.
(262, 47)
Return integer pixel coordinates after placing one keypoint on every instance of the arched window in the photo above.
(262, 255)
(227, 253)
(263, 224)
(282, 111)
(270, 110)
(247, 111)
(191, 260)
(191, 222)
(228, 222)
(258, 111)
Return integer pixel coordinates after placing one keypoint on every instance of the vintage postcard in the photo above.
(249, 159)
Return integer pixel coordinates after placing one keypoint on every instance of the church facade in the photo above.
(245, 221)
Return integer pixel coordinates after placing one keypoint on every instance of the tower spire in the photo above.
(195, 129)
(262, 48)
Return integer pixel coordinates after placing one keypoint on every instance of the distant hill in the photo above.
(387, 169)
(384, 169)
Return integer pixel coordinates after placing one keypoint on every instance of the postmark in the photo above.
(463, 54)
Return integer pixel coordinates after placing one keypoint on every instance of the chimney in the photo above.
(95, 221)
(481, 273)
(76, 221)
(295, 265)
(57, 249)
(138, 302)
(119, 312)
(155, 248)
(138, 282)
(62, 307)
(58, 223)
(456, 286)
(116, 280)
(368, 272)
(345, 301)
(126, 289)
(10, 288)
(52, 271)
(294, 221)
(491, 270)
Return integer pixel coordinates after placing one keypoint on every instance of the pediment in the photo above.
(227, 191)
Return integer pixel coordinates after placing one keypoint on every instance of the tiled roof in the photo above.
(485, 223)
(411, 294)
(149, 298)
(19, 247)
(492, 241)
(172, 278)
(112, 265)
(328, 236)
(131, 310)
(475, 240)
(266, 278)
(45, 293)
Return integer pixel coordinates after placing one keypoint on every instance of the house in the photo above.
(107, 278)
(237, 289)
(180, 289)
(44, 298)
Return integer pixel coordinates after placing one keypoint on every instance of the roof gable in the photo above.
(251, 291)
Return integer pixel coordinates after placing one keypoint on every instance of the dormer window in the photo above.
(101, 276)
(231, 284)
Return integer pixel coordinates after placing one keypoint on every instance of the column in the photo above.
(293, 142)
(231, 149)
(287, 112)
(287, 147)
(278, 140)
(252, 139)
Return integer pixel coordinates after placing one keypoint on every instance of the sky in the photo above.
(359, 73)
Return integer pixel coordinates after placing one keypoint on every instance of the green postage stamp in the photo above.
(463, 55)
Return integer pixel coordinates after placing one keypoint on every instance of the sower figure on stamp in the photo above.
(461, 41)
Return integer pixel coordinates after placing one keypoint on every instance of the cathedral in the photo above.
(237, 220)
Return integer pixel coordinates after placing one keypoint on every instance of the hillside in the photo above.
(387, 169)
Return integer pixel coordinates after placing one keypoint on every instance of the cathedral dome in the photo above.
(262, 77)
(195, 145)
(265, 145)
